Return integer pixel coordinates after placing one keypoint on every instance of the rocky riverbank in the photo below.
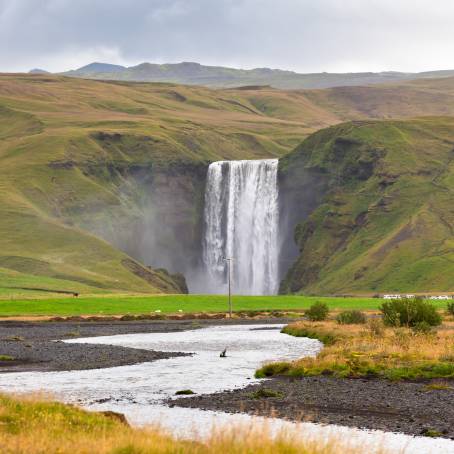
(410, 408)
(38, 346)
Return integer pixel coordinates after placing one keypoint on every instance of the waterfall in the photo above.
(241, 221)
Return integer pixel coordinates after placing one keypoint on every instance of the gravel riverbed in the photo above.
(38, 346)
(410, 408)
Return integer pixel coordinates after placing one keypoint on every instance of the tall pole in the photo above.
(229, 274)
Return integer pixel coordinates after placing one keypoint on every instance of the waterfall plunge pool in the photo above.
(138, 391)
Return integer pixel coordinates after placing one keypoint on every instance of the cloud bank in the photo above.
(302, 35)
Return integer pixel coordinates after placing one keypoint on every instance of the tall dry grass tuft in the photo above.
(373, 350)
(33, 426)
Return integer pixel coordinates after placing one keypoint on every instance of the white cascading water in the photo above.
(241, 222)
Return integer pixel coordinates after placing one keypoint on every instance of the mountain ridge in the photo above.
(193, 73)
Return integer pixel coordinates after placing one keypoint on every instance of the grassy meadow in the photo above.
(172, 304)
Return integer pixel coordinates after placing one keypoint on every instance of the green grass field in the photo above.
(120, 305)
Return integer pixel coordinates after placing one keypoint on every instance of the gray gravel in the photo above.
(33, 346)
(38, 346)
(371, 404)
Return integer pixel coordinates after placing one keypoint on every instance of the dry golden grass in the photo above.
(35, 425)
(372, 350)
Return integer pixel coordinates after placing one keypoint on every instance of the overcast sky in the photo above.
(301, 35)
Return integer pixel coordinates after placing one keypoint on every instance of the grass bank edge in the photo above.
(365, 351)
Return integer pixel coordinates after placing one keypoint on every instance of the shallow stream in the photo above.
(138, 391)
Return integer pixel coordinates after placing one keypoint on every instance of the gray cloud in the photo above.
(303, 35)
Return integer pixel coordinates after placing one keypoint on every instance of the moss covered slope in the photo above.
(385, 219)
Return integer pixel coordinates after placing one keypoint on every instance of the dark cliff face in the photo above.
(301, 191)
(368, 203)
(149, 208)
(158, 220)
(169, 232)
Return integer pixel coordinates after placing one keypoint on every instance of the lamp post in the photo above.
(229, 274)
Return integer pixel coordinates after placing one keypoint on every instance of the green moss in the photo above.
(265, 393)
(432, 433)
(7, 358)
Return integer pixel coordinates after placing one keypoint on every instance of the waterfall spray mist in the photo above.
(241, 221)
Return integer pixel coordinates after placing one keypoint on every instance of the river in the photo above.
(139, 391)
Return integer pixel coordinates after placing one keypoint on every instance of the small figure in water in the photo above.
(224, 353)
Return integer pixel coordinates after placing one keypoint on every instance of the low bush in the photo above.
(409, 313)
(376, 327)
(317, 312)
(184, 392)
(423, 328)
(351, 318)
(450, 308)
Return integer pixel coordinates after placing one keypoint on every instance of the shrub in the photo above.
(317, 312)
(351, 318)
(450, 308)
(376, 327)
(422, 328)
(409, 312)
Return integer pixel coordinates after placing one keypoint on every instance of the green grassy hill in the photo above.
(386, 220)
(80, 160)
